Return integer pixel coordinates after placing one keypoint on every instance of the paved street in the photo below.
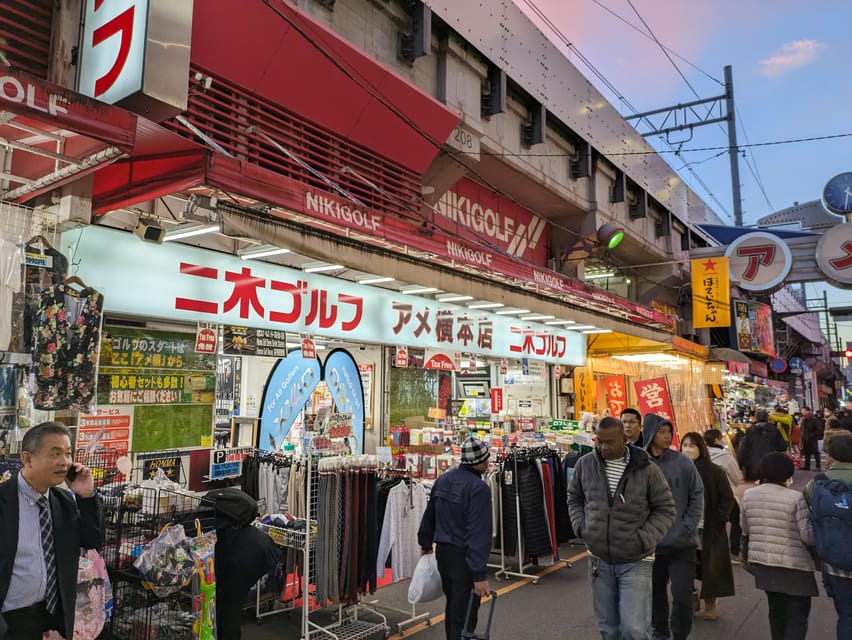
(560, 606)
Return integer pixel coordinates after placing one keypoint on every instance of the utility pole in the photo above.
(685, 116)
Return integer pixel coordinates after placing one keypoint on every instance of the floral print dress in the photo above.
(66, 347)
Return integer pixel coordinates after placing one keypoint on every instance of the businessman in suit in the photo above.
(42, 529)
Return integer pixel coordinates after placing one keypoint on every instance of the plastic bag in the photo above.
(167, 563)
(426, 582)
(94, 596)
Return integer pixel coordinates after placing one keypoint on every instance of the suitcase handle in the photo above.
(472, 635)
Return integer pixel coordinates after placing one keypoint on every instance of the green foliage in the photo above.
(412, 392)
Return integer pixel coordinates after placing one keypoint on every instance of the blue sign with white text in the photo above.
(288, 388)
(340, 373)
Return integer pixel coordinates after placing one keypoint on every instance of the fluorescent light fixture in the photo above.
(415, 289)
(263, 251)
(559, 322)
(191, 230)
(319, 268)
(485, 305)
(581, 327)
(453, 297)
(537, 316)
(600, 276)
(511, 312)
(373, 279)
(597, 331)
(655, 358)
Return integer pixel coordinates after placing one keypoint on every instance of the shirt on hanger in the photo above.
(11, 261)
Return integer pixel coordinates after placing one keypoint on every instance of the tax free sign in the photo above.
(185, 283)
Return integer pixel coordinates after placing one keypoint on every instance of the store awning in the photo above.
(290, 59)
(726, 354)
(55, 135)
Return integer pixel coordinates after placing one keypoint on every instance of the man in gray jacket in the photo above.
(676, 557)
(621, 505)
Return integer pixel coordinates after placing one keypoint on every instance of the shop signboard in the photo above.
(652, 396)
(441, 360)
(752, 327)
(170, 464)
(228, 463)
(341, 375)
(288, 388)
(197, 286)
(711, 293)
(834, 254)
(496, 399)
(616, 394)
(759, 261)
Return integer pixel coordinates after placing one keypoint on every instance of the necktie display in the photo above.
(51, 594)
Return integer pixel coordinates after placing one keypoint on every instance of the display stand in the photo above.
(287, 539)
(504, 571)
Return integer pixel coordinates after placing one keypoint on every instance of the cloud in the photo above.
(792, 55)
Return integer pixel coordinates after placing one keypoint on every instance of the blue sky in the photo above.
(792, 69)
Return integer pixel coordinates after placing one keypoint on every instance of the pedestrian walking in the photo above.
(723, 458)
(42, 529)
(833, 427)
(760, 439)
(776, 533)
(714, 559)
(457, 521)
(836, 580)
(784, 422)
(621, 505)
(811, 434)
(676, 554)
(632, 421)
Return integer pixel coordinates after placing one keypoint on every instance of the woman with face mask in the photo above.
(777, 530)
(714, 558)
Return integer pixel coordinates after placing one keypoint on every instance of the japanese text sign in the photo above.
(616, 394)
(202, 286)
(711, 293)
(496, 400)
(759, 261)
(205, 338)
(652, 396)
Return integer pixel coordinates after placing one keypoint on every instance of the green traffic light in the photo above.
(615, 240)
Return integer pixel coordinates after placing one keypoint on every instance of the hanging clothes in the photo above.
(405, 508)
(11, 260)
(66, 346)
(37, 278)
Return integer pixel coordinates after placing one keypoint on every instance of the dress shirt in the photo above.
(29, 577)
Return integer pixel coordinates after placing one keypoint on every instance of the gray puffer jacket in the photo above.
(627, 527)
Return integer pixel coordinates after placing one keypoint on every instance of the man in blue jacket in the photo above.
(458, 520)
(676, 558)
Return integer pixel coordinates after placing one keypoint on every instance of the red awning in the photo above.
(275, 51)
(55, 135)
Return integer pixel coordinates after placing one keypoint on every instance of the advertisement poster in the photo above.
(341, 375)
(288, 387)
(246, 341)
(616, 394)
(753, 327)
(109, 428)
(366, 371)
(228, 383)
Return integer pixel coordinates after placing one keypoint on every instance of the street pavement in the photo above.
(560, 606)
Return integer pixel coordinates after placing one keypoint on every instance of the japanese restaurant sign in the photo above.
(616, 394)
(652, 396)
(202, 286)
(711, 293)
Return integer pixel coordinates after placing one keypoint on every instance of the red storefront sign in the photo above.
(652, 396)
(496, 399)
(309, 349)
(205, 340)
(616, 394)
(401, 359)
(109, 428)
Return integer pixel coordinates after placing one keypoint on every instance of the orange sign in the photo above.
(616, 394)
(711, 293)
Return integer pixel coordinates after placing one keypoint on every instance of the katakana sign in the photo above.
(759, 261)
(834, 254)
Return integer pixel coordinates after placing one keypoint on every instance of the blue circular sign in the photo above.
(797, 363)
(778, 365)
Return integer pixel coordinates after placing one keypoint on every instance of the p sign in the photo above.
(112, 51)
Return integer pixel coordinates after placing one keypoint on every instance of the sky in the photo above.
(792, 72)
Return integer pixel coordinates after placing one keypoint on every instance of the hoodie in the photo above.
(724, 459)
(685, 484)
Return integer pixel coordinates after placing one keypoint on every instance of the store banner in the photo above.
(309, 347)
(442, 360)
(653, 396)
(711, 293)
(205, 286)
(401, 358)
(496, 399)
(287, 390)
(341, 375)
(616, 394)
(206, 338)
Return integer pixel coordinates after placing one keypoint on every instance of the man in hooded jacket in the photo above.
(760, 439)
(676, 556)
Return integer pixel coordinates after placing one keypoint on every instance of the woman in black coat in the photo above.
(714, 567)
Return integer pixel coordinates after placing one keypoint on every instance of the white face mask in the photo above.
(691, 451)
(788, 482)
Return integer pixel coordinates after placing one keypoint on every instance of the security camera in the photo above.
(150, 231)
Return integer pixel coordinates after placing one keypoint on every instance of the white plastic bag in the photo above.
(426, 582)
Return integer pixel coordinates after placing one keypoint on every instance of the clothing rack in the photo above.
(504, 570)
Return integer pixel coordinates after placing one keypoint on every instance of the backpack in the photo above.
(831, 512)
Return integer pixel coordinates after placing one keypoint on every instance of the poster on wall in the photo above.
(108, 428)
(752, 327)
(288, 387)
(247, 341)
(228, 374)
(366, 371)
(616, 394)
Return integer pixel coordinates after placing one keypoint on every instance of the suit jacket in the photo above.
(77, 522)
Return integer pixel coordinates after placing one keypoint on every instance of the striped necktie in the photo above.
(51, 594)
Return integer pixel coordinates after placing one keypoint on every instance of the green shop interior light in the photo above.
(610, 235)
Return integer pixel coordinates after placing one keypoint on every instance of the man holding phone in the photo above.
(42, 529)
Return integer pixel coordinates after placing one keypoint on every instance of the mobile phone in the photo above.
(72, 473)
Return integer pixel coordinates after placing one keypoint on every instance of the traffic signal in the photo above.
(846, 353)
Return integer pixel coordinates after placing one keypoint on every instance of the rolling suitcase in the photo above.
(473, 635)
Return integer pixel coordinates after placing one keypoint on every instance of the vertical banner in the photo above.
(616, 394)
(496, 399)
(711, 293)
(653, 396)
(341, 375)
(287, 389)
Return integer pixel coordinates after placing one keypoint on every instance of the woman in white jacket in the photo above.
(776, 533)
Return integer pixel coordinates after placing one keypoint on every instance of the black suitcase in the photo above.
(473, 635)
